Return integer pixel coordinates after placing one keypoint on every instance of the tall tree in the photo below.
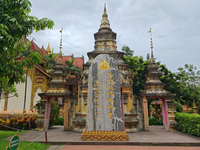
(29, 58)
(127, 51)
(50, 60)
(15, 22)
(70, 68)
(139, 66)
(190, 81)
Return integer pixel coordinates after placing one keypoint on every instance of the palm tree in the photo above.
(70, 68)
(50, 61)
(29, 59)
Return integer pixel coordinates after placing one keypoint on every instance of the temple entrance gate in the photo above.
(154, 88)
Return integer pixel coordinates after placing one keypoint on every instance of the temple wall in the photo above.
(36, 83)
(17, 103)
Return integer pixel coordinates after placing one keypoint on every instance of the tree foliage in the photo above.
(15, 22)
(140, 68)
(127, 51)
(185, 83)
(50, 60)
(70, 68)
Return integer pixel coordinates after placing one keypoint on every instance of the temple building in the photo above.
(135, 108)
(37, 82)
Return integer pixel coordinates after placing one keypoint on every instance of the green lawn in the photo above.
(22, 145)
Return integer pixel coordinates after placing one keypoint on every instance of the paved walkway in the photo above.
(156, 136)
(119, 147)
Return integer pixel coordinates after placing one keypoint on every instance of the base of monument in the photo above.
(104, 136)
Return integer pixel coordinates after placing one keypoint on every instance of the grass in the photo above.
(22, 145)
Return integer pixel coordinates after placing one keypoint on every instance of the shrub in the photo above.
(59, 121)
(179, 108)
(25, 124)
(154, 121)
(188, 123)
(54, 113)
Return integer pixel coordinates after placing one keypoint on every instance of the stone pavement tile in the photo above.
(156, 135)
(54, 147)
(112, 147)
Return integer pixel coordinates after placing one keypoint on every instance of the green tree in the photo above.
(50, 60)
(172, 83)
(139, 66)
(15, 22)
(29, 58)
(70, 68)
(127, 51)
(190, 82)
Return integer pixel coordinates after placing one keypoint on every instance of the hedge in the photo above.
(154, 121)
(188, 123)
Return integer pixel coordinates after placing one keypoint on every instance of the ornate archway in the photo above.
(154, 88)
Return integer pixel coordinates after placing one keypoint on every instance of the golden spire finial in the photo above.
(152, 57)
(104, 8)
(48, 49)
(60, 43)
(105, 21)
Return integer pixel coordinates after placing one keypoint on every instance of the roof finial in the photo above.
(104, 8)
(152, 57)
(105, 21)
(48, 49)
(60, 43)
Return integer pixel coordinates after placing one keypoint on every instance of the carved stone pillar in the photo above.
(171, 113)
(165, 114)
(146, 117)
(66, 115)
(41, 113)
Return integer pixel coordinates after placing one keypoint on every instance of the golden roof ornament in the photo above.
(48, 49)
(105, 22)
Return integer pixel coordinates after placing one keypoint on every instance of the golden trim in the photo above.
(104, 136)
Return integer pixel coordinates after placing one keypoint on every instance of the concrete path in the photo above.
(119, 147)
(155, 136)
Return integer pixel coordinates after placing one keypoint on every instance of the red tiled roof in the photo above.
(34, 47)
(78, 62)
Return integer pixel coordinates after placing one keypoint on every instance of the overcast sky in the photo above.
(175, 27)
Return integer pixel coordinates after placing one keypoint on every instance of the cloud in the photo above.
(175, 27)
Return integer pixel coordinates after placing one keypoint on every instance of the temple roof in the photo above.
(78, 62)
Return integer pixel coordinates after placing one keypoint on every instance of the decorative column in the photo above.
(41, 112)
(66, 110)
(47, 114)
(146, 117)
(165, 114)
